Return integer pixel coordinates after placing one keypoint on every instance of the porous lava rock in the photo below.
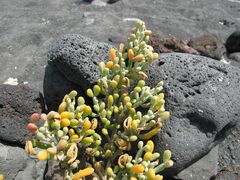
(17, 103)
(56, 86)
(201, 94)
(203, 97)
(235, 59)
(16, 164)
(77, 58)
(230, 173)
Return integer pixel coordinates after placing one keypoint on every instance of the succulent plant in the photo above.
(98, 140)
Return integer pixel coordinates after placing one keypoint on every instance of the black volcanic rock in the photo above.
(233, 42)
(56, 86)
(201, 94)
(203, 97)
(17, 103)
(77, 58)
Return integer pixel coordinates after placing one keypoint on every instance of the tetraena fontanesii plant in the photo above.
(112, 138)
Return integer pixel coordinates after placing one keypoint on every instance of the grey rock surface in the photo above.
(77, 57)
(16, 164)
(202, 96)
(234, 59)
(53, 171)
(235, 56)
(17, 103)
(229, 149)
(231, 173)
(204, 168)
(27, 27)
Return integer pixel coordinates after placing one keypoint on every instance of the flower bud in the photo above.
(52, 150)
(110, 171)
(130, 54)
(112, 54)
(151, 174)
(89, 132)
(87, 140)
(138, 58)
(133, 138)
(87, 125)
(74, 165)
(155, 56)
(148, 32)
(65, 115)
(134, 124)
(83, 173)
(32, 127)
(87, 110)
(113, 84)
(62, 144)
(90, 93)
(164, 115)
(65, 130)
(72, 94)
(110, 101)
(151, 145)
(81, 100)
(101, 66)
(108, 153)
(65, 122)
(109, 65)
(121, 48)
(137, 168)
(96, 90)
(34, 117)
(140, 145)
(71, 132)
(40, 136)
(105, 131)
(73, 122)
(43, 117)
(166, 155)
(42, 155)
(158, 177)
(141, 83)
(169, 163)
(147, 156)
(59, 133)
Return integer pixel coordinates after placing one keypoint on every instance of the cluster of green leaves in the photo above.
(98, 140)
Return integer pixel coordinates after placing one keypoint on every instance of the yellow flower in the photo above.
(83, 173)
(42, 155)
(130, 54)
(151, 145)
(112, 54)
(151, 174)
(87, 125)
(1, 177)
(62, 107)
(138, 58)
(150, 134)
(137, 168)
